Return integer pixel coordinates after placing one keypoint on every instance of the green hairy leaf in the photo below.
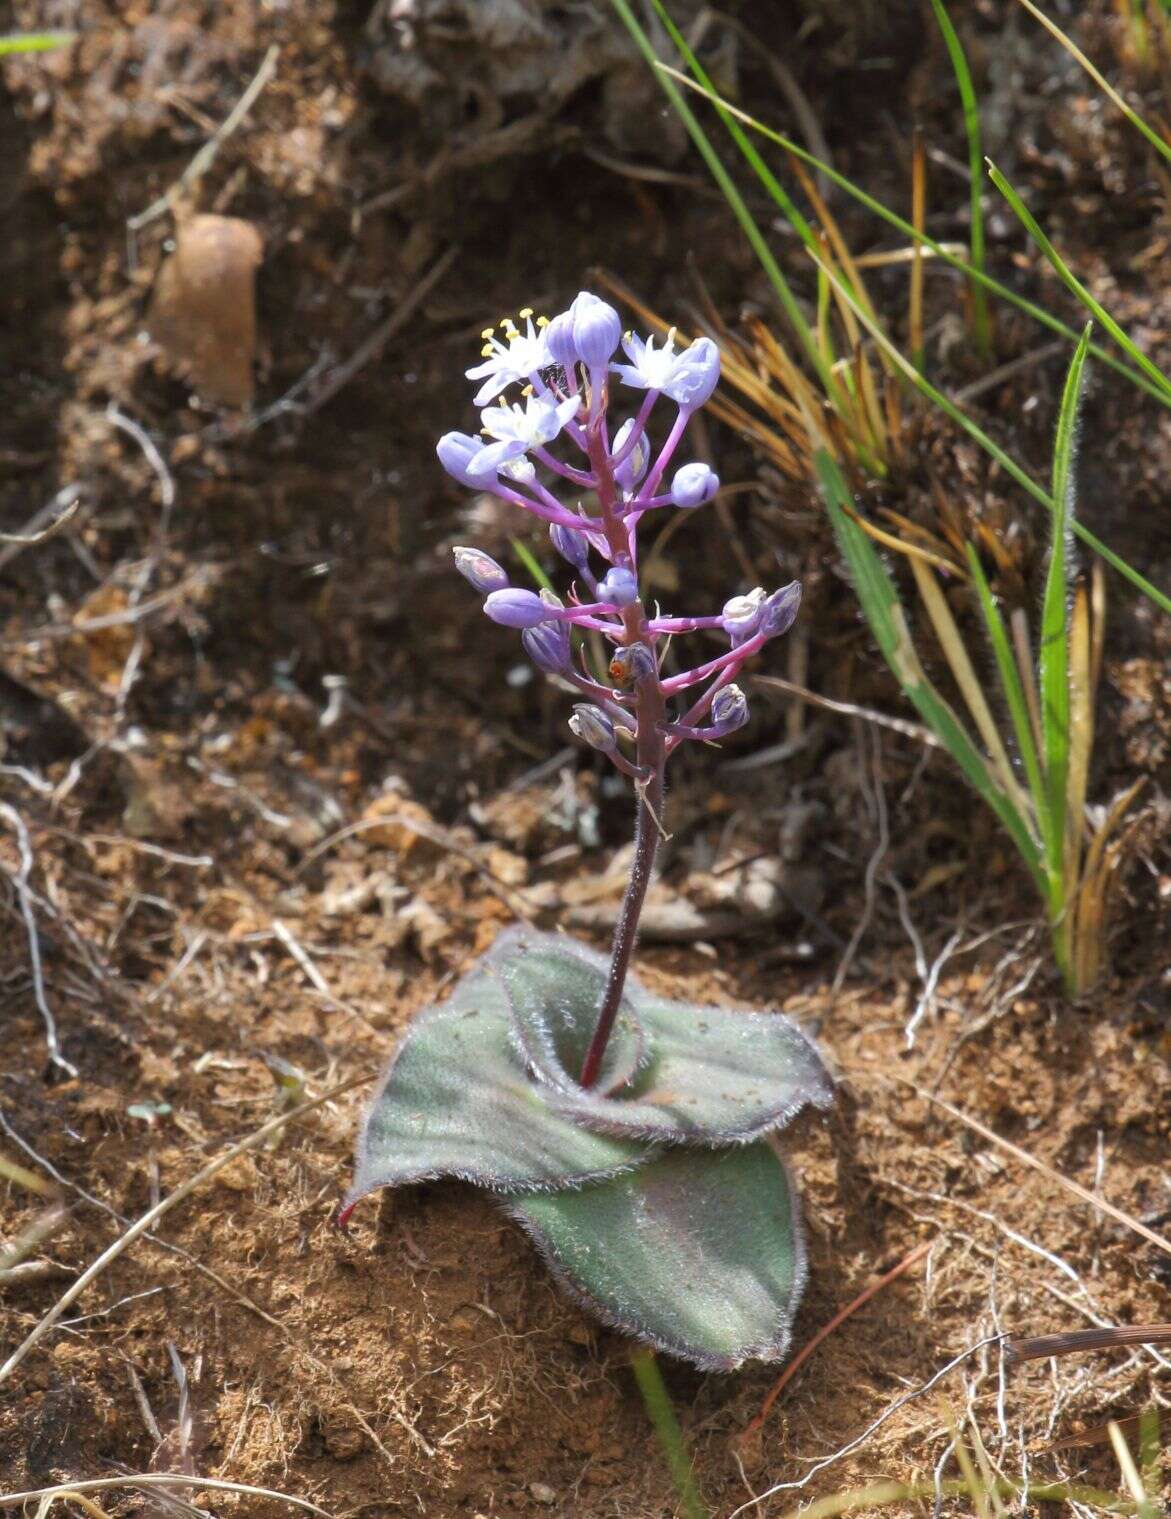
(699, 1254)
(457, 1101)
(645, 1192)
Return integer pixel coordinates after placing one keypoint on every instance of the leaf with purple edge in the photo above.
(457, 1101)
(699, 1254)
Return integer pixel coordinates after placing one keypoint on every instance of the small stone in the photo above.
(203, 311)
(541, 1492)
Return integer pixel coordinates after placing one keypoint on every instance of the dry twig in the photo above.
(20, 884)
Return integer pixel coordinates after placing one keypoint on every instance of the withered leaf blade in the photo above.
(203, 311)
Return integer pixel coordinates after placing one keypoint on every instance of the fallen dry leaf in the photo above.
(203, 311)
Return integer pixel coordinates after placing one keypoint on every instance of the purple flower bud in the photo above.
(593, 726)
(741, 615)
(456, 450)
(619, 587)
(780, 610)
(571, 545)
(480, 570)
(695, 374)
(631, 662)
(516, 609)
(729, 709)
(633, 467)
(547, 645)
(694, 485)
(559, 342)
(597, 329)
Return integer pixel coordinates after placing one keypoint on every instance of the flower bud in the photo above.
(729, 709)
(694, 485)
(780, 610)
(571, 545)
(547, 645)
(480, 570)
(619, 586)
(559, 342)
(741, 615)
(513, 608)
(695, 374)
(597, 329)
(593, 726)
(633, 467)
(456, 450)
(631, 662)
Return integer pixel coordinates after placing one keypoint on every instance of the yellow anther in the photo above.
(525, 314)
(542, 321)
(487, 351)
(487, 332)
(527, 391)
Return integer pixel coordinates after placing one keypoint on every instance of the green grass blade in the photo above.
(981, 329)
(531, 563)
(1071, 281)
(666, 1427)
(1014, 693)
(1053, 655)
(1100, 80)
(884, 613)
(736, 202)
(34, 42)
(1006, 461)
(908, 229)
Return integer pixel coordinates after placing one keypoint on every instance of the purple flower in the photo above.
(547, 645)
(694, 485)
(480, 570)
(780, 610)
(695, 375)
(619, 587)
(515, 459)
(593, 726)
(514, 608)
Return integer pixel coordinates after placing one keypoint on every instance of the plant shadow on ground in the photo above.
(427, 1360)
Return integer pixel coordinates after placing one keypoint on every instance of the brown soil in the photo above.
(202, 914)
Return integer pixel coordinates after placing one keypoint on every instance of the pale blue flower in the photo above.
(688, 377)
(650, 368)
(533, 425)
(695, 375)
(519, 357)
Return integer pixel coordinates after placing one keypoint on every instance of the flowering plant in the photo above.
(625, 1132)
